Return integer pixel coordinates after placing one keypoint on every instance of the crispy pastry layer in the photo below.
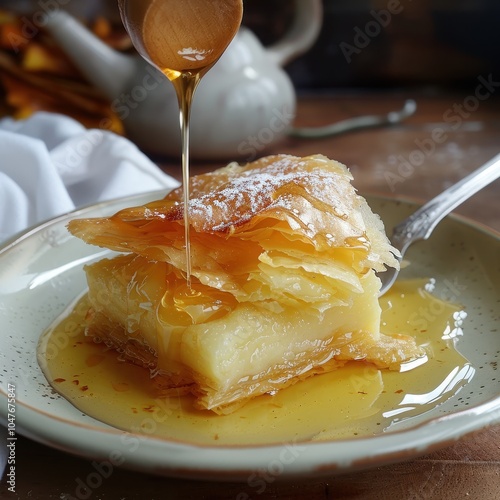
(284, 254)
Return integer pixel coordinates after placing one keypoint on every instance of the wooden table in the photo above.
(378, 159)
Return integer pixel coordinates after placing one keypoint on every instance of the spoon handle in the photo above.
(421, 223)
(357, 123)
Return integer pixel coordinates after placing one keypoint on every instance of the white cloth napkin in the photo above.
(50, 164)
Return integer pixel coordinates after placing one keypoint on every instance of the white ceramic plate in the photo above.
(41, 272)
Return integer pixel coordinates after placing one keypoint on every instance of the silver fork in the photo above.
(420, 224)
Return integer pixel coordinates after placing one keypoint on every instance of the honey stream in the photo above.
(185, 84)
(183, 39)
(356, 400)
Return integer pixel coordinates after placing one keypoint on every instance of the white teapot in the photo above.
(244, 104)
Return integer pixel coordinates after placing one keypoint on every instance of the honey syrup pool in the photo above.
(356, 400)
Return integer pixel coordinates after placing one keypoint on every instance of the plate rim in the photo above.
(220, 461)
(489, 411)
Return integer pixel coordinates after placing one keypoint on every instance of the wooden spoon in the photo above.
(181, 35)
(183, 39)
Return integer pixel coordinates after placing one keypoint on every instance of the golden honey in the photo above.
(356, 400)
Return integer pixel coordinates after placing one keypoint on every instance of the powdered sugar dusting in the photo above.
(309, 200)
(269, 184)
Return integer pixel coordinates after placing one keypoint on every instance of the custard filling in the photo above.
(284, 255)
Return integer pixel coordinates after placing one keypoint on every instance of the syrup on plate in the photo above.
(356, 400)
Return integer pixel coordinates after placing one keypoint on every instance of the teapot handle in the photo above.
(302, 34)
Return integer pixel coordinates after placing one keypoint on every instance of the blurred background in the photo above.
(421, 46)
(426, 43)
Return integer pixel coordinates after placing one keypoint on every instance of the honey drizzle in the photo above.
(185, 83)
(356, 400)
(184, 40)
